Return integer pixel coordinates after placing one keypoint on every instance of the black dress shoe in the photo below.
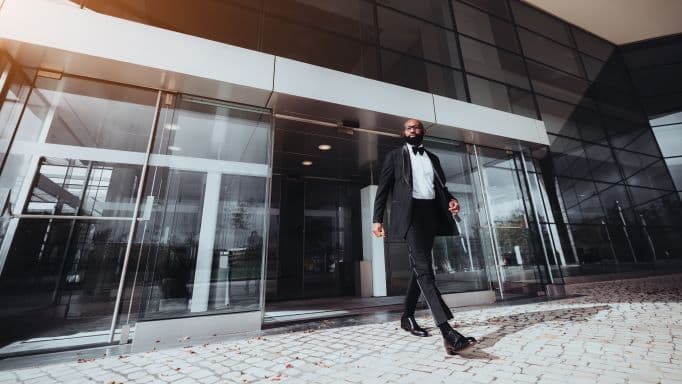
(455, 342)
(410, 325)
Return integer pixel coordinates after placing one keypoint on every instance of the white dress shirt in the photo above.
(422, 175)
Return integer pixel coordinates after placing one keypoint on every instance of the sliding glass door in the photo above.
(123, 203)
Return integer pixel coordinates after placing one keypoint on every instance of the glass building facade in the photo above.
(124, 204)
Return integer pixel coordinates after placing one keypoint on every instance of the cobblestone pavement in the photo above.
(619, 332)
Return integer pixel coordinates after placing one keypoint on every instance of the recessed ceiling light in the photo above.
(307, 163)
(174, 148)
(171, 127)
(324, 147)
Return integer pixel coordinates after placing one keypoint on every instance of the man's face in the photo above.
(413, 129)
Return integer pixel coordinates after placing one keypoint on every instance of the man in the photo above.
(419, 211)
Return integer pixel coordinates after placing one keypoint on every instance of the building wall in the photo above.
(605, 168)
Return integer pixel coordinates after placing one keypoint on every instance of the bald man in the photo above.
(421, 208)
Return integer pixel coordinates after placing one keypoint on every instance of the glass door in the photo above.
(126, 204)
(73, 169)
(509, 222)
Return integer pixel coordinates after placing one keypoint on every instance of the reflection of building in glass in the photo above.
(216, 172)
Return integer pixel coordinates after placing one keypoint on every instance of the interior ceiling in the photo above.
(619, 21)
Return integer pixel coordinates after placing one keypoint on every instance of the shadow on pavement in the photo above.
(508, 325)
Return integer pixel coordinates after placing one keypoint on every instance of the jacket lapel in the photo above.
(407, 166)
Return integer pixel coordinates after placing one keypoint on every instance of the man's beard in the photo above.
(416, 140)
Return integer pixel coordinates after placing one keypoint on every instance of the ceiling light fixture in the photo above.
(307, 163)
(174, 148)
(324, 147)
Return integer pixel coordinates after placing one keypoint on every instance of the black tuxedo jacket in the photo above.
(396, 181)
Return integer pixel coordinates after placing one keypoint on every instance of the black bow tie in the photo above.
(416, 149)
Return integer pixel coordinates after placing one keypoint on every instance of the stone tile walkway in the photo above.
(619, 332)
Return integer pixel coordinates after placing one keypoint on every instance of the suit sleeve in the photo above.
(385, 183)
(441, 174)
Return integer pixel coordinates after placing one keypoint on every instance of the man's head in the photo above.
(413, 131)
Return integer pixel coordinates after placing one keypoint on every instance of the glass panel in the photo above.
(493, 63)
(522, 262)
(233, 22)
(645, 143)
(424, 76)
(654, 176)
(593, 45)
(496, 7)
(417, 38)
(632, 163)
(594, 243)
(319, 177)
(540, 22)
(351, 18)
(569, 157)
(669, 138)
(63, 115)
(560, 85)
(546, 51)
(320, 47)
(214, 130)
(666, 51)
(60, 279)
(602, 164)
(659, 80)
(644, 195)
(481, 25)
(435, 11)
(459, 260)
(675, 167)
(608, 74)
(87, 113)
(77, 187)
(18, 87)
(622, 132)
(500, 96)
(664, 211)
(570, 120)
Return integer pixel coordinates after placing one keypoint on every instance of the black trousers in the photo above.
(419, 239)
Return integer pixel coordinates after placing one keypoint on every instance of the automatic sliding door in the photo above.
(73, 170)
(510, 223)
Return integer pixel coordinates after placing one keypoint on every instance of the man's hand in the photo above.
(453, 206)
(378, 229)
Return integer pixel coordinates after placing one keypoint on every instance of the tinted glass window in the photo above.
(614, 76)
(632, 163)
(417, 74)
(417, 38)
(549, 52)
(540, 22)
(496, 7)
(593, 45)
(319, 47)
(352, 18)
(435, 11)
(655, 176)
(491, 62)
(488, 28)
(559, 85)
(500, 96)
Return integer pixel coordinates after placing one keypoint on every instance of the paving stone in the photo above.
(614, 332)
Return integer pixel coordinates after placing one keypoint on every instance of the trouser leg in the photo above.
(420, 242)
(412, 295)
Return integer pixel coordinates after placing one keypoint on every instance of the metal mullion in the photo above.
(487, 12)
(533, 207)
(133, 223)
(493, 242)
(467, 92)
(266, 219)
